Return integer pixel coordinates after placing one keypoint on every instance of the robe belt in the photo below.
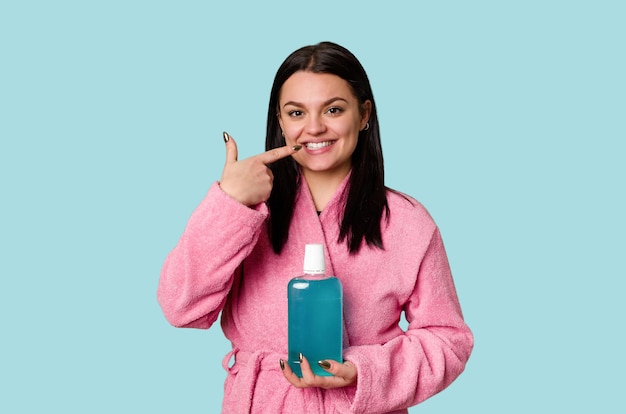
(247, 366)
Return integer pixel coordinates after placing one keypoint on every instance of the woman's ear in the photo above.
(366, 111)
(280, 120)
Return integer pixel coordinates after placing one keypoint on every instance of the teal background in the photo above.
(506, 119)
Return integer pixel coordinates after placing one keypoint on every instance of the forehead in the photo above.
(310, 88)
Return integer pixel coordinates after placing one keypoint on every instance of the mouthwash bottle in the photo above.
(315, 317)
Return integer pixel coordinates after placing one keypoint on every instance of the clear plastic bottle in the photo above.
(315, 314)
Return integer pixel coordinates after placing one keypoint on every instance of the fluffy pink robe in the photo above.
(224, 263)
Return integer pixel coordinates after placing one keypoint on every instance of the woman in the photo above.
(320, 181)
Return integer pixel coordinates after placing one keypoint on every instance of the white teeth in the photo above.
(318, 145)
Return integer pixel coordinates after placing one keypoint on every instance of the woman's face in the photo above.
(320, 112)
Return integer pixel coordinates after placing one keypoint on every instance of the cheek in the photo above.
(350, 132)
(292, 132)
(348, 127)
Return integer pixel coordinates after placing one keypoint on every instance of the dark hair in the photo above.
(366, 196)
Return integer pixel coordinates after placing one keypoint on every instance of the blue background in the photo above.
(506, 119)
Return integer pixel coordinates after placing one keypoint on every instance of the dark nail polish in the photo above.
(226, 136)
(324, 364)
(300, 357)
(296, 147)
(282, 365)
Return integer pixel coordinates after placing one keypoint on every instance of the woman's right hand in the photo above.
(250, 181)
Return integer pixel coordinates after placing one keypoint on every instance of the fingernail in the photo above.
(282, 365)
(296, 147)
(300, 357)
(324, 364)
(226, 136)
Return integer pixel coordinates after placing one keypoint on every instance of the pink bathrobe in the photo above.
(224, 263)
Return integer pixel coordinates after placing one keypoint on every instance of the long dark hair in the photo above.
(366, 200)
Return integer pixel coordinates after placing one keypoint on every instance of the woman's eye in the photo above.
(295, 113)
(334, 110)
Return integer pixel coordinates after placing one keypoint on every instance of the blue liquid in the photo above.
(315, 321)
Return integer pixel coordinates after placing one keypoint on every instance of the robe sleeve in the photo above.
(199, 272)
(428, 356)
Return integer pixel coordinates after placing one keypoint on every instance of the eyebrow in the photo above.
(328, 102)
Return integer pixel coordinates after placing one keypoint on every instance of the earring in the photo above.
(282, 133)
(367, 126)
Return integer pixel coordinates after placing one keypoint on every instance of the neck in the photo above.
(323, 185)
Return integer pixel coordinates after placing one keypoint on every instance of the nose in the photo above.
(315, 125)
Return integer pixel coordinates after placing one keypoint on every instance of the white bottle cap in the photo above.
(314, 262)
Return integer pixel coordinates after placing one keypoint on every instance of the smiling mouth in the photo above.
(318, 145)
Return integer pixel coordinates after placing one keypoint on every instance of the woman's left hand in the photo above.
(343, 375)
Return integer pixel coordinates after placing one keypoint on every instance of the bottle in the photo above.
(315, 306)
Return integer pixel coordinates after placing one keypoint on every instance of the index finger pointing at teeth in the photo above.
(276, 154)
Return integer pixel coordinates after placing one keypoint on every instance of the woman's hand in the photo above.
(250, 181)
(343, 374)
